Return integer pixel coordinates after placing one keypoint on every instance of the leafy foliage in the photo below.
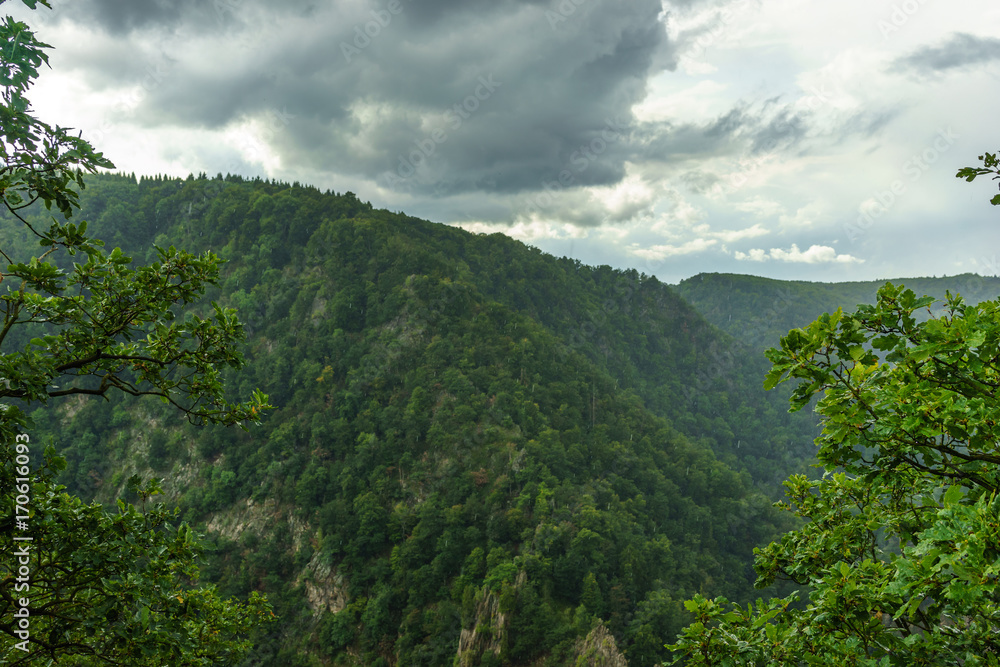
(101, 588)
(118, 588)
(901, 550)
(759, 311)
(991, 165)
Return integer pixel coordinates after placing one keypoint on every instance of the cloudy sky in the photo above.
(785, 138)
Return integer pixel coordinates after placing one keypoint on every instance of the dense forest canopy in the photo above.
(759, 311)
(449, 408)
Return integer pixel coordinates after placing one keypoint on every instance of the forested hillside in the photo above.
(478, 450)
(758, 311)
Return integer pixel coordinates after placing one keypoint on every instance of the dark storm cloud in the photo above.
(428, 97)
(476, 95)
(750, 129)
(123, 16)
(960, 50)
(498, 104)
(432, 14)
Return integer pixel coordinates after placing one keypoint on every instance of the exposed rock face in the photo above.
(486, 634)
(325, 587)
(489, 628)
(599, 649)
(490, 625)
(246, 516)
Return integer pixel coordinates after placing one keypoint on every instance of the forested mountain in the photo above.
(479, 452)
(758, 311)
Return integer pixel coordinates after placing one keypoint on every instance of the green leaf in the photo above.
(953, 495)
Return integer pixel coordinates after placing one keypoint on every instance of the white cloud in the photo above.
(680, 101)
(627, 199)
(732, 235)
(759, 207)
(816, 254)
(806, 216)
(527, 231)
(659, 252)
(678, 222)
(755, 255)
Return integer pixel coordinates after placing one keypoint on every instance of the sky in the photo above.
(784, 138)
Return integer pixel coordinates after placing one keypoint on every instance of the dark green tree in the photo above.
(89, 586)
(901, 549)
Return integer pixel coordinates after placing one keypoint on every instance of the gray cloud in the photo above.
(698, 181)
(126, 17)
(785, 128)
(435, 99)
(365, 87)
(747, 129)
(960, 50)
(172, 84)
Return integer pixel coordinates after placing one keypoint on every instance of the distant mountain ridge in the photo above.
(758, 311)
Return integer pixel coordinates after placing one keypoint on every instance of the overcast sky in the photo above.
(784, 138)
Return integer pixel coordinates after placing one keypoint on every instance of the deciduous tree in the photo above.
(99, 587)
(900, 552)
(991, 165)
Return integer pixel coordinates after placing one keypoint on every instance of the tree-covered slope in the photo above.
(478, 451)
(758, 311)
